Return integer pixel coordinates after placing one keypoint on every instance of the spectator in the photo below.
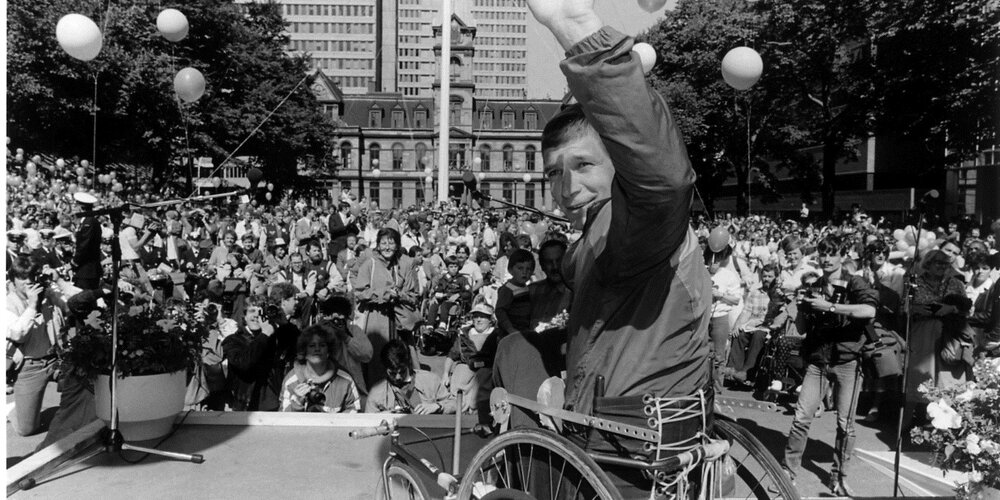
(403, 389)
(513, 300)
(316, 383)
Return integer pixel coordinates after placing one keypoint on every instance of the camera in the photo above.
(315, 396)
(273, 313)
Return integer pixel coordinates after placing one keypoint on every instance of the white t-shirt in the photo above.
(728, 282)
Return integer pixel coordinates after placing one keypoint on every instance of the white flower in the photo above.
(944, 417)
(990, 447)
(972, 444)
(975, 476)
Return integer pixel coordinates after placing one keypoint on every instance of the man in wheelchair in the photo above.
(451, 297)
(619, 170)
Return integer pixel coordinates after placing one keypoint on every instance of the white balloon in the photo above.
(647, 55)
(189, 84)
(60, 163)
(79, 36)
(428, 179)
(741, 68)
(376, 173)
(652, 5)
(172, 25)
(477, 161)
(526, 178)
(482, 176)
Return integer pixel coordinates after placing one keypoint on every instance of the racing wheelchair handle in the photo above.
(383, 429)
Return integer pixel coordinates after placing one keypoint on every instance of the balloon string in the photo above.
(93, 145)
(254, 131)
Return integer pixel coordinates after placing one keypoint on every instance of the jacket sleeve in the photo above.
(244, 356)
(289, 402)
(359, 346)
(653, 185)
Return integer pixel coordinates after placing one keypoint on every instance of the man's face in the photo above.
(580, 174)
(352, 242)
(767, 277)
(462, 255)
(551, 261)
(296, 262)
(398, 376)
(830, 261)
(315, 254)
(288, 306)
(951, 249)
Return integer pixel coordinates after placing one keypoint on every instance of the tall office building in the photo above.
(388, 45)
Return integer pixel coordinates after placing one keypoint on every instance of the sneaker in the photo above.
(839, 488)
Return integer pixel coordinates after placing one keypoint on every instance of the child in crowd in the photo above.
(470, 360)
(513, 308)
(452, 289)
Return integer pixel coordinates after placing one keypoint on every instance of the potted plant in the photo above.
(158, 345)
(965, 429)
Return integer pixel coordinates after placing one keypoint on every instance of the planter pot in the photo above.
(147, 405)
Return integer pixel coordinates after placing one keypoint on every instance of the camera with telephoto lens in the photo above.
(273, 313)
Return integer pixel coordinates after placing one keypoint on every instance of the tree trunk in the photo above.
(742, 194)
(829, 177)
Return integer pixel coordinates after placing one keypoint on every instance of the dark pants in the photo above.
(846, 379)
(746, 349)
(76, 408)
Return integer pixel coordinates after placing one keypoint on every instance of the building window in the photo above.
(398, 118)
(508, 191)
(484, 157)
(420, 118)
(508, 157)
(485, 188)
(529, 157)
(455, 108)
(397, 156)
(486, 119)
(456, 156)
(374, 155)
(373, 193)
(421, 187)
(345, 186)
(421, 151)
(530, 120)
(397, 194)
(345, 154)
(529, 194)
(507, 120)
(375, 117)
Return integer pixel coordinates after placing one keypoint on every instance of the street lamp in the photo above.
(526, 178)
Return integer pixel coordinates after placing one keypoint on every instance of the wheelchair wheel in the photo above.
(534, 464)
(404, 484)
(749, 470)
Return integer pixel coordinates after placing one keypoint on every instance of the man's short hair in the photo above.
(282, 291)
(396, 354)
(569, 123)
(452, 260)
(553, 242)
(832, 243)
(518, 256)
(343, 205)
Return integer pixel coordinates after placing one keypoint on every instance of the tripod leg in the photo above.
(30, 482)
(195, 458)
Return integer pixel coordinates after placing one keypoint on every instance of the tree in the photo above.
(729, 133)
(937, 66)
(238, 47)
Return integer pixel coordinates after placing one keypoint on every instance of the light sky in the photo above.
(544, 53)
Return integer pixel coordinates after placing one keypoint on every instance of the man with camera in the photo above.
(833, 313)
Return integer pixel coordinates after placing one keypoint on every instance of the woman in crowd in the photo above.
(934, 283)
(386, 289)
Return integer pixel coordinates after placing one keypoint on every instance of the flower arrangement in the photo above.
(965, 428)
(152, 339)
(558, 322)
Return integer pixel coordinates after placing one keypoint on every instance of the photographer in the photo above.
(404, 389)
(833, 312)
(38, 308)
(316, 383)
(260, 352)
(335, 312)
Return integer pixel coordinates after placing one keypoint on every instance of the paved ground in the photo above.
(871, 476)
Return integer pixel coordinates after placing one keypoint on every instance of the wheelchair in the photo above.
(780, 368)
(724, 462)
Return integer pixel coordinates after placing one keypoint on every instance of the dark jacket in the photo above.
(87, 257)
(257, 365)
(835, 338)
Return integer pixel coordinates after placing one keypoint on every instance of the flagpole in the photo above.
(444, 102)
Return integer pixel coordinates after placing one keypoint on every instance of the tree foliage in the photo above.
(238, 48)
(835, 73)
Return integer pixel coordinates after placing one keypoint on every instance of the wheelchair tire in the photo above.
(755, 471)
(404, 484)
(520, 464)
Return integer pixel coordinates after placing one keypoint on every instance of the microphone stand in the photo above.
(911, 286)
(111, 439)
(479, 195)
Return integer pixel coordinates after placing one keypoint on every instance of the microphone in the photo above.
(469, 179)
